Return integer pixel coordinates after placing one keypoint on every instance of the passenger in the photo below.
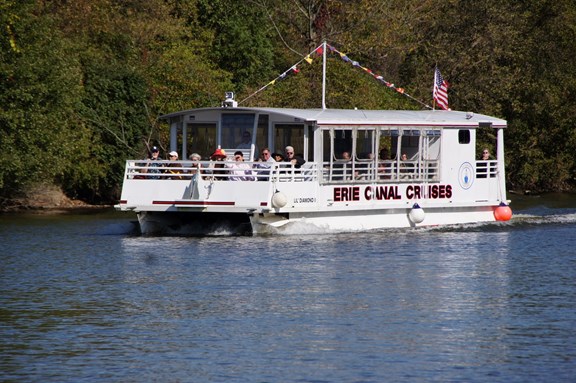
(405, 166)
(482, 167)
(384, 154)
(154, 156)
(175, 172)
(296, 161)
(486, 155)
(195, 166)
(219, 156)
(278, 157)
(384, 165)
(342, 167)
(265, 163)
(364, 166)
(241, 171)
(247, 142)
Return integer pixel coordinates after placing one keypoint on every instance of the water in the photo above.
(84, 300)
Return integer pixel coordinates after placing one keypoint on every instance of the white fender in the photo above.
(417, 214)
(279, 199)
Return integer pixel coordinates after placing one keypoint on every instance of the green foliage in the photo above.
(82, 83)
(39, 94)
(241, 45)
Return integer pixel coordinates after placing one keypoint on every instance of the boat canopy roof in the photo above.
(323, 117)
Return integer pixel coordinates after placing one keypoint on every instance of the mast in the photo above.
(324, 75)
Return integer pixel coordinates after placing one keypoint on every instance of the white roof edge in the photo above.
(365, 117)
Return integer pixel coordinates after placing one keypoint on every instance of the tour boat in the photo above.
(362, 170)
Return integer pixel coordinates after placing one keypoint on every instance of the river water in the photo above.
(83, 299)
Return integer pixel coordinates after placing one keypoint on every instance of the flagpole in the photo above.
(324, 75)
(434, 87)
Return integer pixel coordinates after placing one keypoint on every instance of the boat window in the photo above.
(342, 143)
(262, 134)
(309, 151)
(233, 126)
(464, 136)
(431, 145)
(289, 135)
(326, 145)
(365, 144)
(385, 143)
(201, 138)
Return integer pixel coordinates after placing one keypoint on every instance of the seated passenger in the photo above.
(153, 167)
(241, 171)
(247, 142)
(405, 166)
(175, 172)
(265, 163)
(195, 166)
(295, 160)
(219, 156)
(384, 165)
(482, 167)
(342, 167)
(364, 166)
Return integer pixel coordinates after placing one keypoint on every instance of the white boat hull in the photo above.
(441, 183)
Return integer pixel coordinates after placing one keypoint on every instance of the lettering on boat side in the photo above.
(379, 193)
(305, 200)
(433, 192)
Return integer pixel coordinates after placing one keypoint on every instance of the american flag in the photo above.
(440, 93)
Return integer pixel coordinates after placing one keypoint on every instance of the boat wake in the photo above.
(520, 220)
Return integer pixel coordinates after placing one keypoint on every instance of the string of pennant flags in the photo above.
(319, 51)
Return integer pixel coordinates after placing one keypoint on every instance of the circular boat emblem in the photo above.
(466, 175)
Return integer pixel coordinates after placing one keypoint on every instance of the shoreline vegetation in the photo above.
(82, 83)
(47, 200)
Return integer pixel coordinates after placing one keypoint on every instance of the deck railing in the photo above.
(326, 173)
(486, 169)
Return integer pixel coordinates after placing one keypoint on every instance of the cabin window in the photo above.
(365, 140)
(262, 134)
(463, 136)
(409, 143)
(309, 150)
(289, 135)
(233, 127)
(201, 138)
(376, 154)
(385, 143)
(431, 145)
(342, 143)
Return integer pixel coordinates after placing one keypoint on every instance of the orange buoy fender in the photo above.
(503, 212)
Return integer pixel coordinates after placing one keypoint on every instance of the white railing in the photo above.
(486, 169)
(358, 172)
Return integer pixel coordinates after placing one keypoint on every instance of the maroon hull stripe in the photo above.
(214, 203)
